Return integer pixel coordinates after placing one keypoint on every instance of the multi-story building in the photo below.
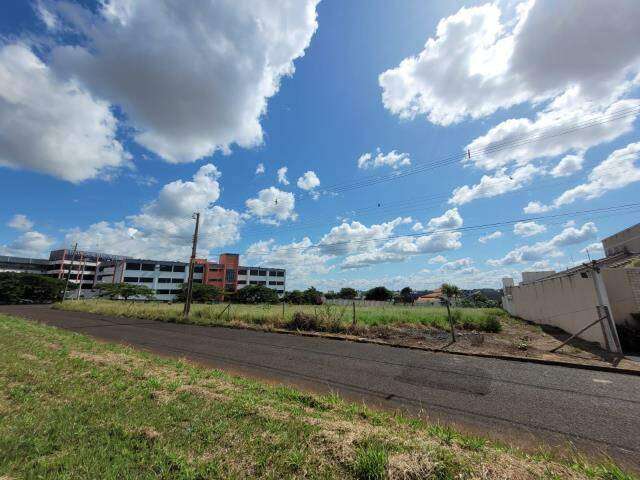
(165, 278)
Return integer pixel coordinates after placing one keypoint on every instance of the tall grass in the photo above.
(339, 317)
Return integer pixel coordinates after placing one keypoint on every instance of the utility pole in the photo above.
(73, 259)
(192, 263)
(84, 262)
(604, 312)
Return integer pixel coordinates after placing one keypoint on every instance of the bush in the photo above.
(379, 293)
(492, 324)
(303, 321)
(371, 462)
(200, 293)
(347, 293)
(27, 287)
(256, 294)
(125, 291)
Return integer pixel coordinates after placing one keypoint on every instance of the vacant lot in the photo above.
(71, 407)
(328, 317)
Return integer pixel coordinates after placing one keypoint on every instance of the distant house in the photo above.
(432, 298)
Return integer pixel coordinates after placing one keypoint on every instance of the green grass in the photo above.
(72, 407)
(332, 318)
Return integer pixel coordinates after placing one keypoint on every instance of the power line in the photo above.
(461, 229)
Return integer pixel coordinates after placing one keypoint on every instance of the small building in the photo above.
(432, 298)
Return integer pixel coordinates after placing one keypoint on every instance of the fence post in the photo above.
(353, 322)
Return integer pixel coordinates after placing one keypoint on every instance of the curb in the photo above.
(557, 363)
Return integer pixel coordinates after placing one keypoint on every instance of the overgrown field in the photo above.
(71, 407)
(324, 317)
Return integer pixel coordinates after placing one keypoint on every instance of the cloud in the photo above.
(549, 248)
(479, 62)
(569, 165)
(301, 259)
(51, 125)
(368, 259)
(493, 185)
(528, 229)
(20, 222)
(308, 181)
(272, 206)
(617, 171)
(392, 159)
(593, 249)
(491, 236)
(282, 176)
(351, 237)
(203, 74)
(456, 265)
(437, 259)
(448, 220)
(164, 227)
(260, 169)
(46, 16)
(29, 244)
(417, 227)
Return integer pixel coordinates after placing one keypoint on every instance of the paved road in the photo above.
(518, 402)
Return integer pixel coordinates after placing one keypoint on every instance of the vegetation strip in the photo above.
(74, 407)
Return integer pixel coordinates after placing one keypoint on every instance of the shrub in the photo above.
(256, 294)
(492, 324)
(200, 293)
(21, 287)
(125, 290)
(371, 462)
(303, 321)
(347, 293)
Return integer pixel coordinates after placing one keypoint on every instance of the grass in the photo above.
(325, 317)
(72, 407)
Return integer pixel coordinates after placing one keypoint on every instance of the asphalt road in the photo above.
(524, 404)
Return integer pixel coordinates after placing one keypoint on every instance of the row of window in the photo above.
(276, 283)
(260, 273)
(76, 266)
(167, 292)
(150, 267)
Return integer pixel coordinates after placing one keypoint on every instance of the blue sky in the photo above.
(123, 117)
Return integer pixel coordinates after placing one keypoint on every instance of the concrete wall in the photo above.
(623, 289)
(628, 239)
(567, 302)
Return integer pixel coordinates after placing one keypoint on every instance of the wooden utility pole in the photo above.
(192, 263)
(73, 259)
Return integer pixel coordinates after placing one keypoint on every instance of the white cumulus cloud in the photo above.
(528, 229)
(194, 80)
(272, 206)
(392, 159)
(20, 222)
(51, 125)
(282, 176)
(490, 236)
(308, 181)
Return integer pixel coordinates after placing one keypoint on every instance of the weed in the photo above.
(371, 461)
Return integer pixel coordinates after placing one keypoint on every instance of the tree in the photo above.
(21, 287)
(200, 293)
(347, 293)
(449, 293)
(379, 293)
(125, 291)
(256, 294)
(294, 297)
(312, 296)
(406, 295)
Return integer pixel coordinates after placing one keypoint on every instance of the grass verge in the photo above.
(330, 318)
(72, 407)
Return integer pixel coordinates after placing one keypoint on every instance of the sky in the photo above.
(356, 143)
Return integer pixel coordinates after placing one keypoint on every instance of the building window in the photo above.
(242, 272)
(253, 282)
(148, 267)
(177, 280)
(273, 283)
(146, 279)
(272, 273)
(242, 282)
(131, 279)
(133, 266)
(197, 280)
(230, 275)
(263, 273)
(163, 292)
(165, 268)
(280, 274)
(230, 287)
(254, 272)
(198, 268)
(174, 292)
(178, 268)
(165, 280)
